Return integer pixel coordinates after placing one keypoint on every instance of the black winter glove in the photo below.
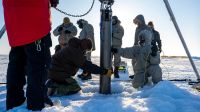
(60, 28)
(54, 3)
(160, 50)
(67, 31)
(114, 50)
(153, 53)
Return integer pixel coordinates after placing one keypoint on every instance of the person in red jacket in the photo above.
(28, 28)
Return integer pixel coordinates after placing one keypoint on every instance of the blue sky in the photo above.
(185, 11)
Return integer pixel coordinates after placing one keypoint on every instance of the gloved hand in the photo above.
(109, 72)
(60, 28)
(67, 31)
(114, 50)
(54, 3)
(153, 54)
(141, 42)
(160, 50)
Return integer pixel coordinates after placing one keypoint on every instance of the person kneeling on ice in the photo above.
(140, 54)
(65, 64)
(154, 71)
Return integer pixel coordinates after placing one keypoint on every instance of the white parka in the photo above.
(63, 37)
(87, 32)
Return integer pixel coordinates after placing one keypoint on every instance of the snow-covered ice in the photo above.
(166, 96)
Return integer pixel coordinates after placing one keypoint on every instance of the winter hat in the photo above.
(81, 21)
(150, 24)
(115, 20)
(66, 20)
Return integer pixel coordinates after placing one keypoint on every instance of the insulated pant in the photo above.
(117, 58)
(31, 60)
(88, 57)
(69, 87)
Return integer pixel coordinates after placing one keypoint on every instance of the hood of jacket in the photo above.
(141, 19)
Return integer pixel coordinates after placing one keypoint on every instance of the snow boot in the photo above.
(116, 72)
(48, 102)
(82, 74)
(51, 87)
(131, 76)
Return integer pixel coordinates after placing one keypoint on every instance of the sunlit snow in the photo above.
(166, 96)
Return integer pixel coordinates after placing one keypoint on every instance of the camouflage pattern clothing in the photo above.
(65, 64)
(140, 54)
(117, 34)
(65, 32)
(87, 32)
(153, 69)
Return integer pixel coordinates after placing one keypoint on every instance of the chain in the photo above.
(76, 15)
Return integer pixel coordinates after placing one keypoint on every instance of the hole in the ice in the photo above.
(115, 89)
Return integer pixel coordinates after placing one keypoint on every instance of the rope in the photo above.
(72, 15)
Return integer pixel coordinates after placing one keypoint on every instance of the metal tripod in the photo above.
(3, 29)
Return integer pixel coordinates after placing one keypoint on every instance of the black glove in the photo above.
(153, 53)
(60, 28)
(67, 31)
(54, 3)
(160, 50)
(114, 50)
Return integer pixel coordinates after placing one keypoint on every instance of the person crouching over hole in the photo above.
(65, 65)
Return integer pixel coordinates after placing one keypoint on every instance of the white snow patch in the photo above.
(166, 96)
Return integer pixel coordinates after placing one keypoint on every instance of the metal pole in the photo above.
(3, 29)
(181, 37)
(105, 44)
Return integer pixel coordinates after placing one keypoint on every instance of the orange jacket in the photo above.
(26, 20)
